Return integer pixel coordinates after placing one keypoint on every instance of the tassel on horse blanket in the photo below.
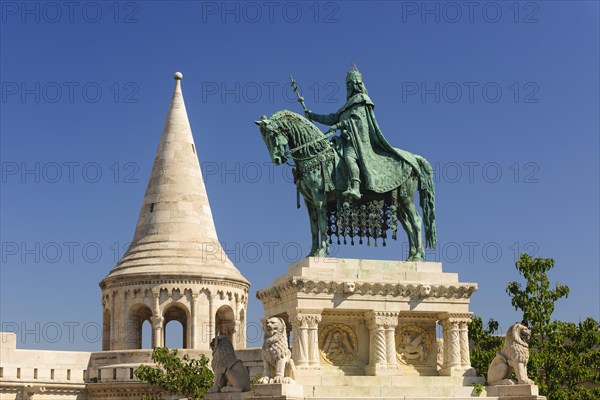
(296, 176)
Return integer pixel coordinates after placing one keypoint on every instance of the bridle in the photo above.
(317, 140)
(289, 153)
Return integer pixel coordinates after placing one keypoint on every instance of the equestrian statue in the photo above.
(356, 185)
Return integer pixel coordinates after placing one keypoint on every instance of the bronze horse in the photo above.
(321, 179)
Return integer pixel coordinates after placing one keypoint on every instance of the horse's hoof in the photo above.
(321, 252)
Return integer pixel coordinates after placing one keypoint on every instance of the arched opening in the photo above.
(146, 335)
(106, 330)
(138, 314)
(176, 312)
(225, 322)
(174, 335)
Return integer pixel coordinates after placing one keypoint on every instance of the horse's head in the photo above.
(274, 139)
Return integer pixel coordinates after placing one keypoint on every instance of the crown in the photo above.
(353, 74)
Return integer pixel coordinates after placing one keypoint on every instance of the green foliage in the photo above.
(254, 380)
(536, 299)
(478, 389)
(484, 344)
(177, 376)
(571, 361)
(564, 357)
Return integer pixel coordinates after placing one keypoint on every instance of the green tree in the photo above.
(571, 359)
(536, 299)
(564, 357)
(177, 376)
(483, 343)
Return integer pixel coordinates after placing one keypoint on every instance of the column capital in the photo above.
(305, 319)
(455, 317)
(382, 320)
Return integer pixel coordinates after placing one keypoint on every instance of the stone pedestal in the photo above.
(228, 396)
(372, 317)
(514, 392)
(278, 391)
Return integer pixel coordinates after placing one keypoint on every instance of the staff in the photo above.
(300, 98)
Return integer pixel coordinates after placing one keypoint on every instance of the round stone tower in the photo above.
(175, 268)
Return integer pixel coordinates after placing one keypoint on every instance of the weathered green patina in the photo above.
(366, 151)
(356, 185)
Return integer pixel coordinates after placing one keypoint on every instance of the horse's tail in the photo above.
(427, 200)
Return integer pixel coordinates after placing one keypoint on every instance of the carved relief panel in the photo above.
(413, 344)
(338, 344)
(416, 345)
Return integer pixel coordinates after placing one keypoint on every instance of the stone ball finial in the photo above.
(178, 76)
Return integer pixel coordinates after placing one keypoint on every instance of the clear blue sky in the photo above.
(501, 97)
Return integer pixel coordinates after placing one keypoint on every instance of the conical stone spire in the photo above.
(175, 232)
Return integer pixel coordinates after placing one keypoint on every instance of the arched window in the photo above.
(138, 314)
(146, 335)
(176, 335)
(225, 322)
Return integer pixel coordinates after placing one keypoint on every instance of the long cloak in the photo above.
(382, 166)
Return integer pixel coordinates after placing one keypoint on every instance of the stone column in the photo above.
(194, 320)
(242, 325)
(305, 349)
(158, 337)
(130, 335)
(237, 335)
(456, 345)
(157, 321)
(390, 338)
(314, 357)
(125, 333)
(211, 316)
(465, 356)
(115, 327)
(382, 348)
(300, 346)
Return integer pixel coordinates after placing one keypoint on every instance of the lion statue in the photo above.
(230, 373)
(278, 366)
(513, 357)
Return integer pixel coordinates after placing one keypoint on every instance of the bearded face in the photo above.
(353, 86)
